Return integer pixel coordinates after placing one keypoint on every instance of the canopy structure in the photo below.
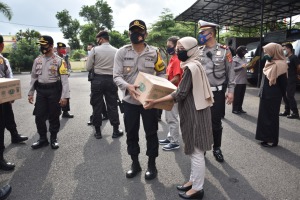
(242, 13)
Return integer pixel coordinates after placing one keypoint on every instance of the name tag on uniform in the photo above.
(218, 53)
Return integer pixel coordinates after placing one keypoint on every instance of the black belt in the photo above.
(104, 75)
(47, 85)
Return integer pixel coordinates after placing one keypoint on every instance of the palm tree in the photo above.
(5, 9)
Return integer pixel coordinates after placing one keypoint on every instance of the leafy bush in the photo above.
(78, 54)
(23, 54)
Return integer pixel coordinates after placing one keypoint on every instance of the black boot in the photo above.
(151, 172)
(43, 141)
(98, 134)
(53, 141)
(17, 138)
(135, 167)
(66, 114)
(117, 132)
(4, 165)
(5, 191)
(218, 154)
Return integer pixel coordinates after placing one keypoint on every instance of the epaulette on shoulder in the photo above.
(127, 46)
(201, 47)
(224, 47)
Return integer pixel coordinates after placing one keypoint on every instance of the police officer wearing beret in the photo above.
(101, 60)
(216, 60)
(49, 78)
(62, 52)
(129, 61)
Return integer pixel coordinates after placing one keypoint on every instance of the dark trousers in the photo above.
(47, 107)
(2, 127)
(132, 125)
(239, 94)
(66, 108)
(216, 116)
(103, 85)
(289, 98)
(9, 120)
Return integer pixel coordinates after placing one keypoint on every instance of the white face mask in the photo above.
(285, 52)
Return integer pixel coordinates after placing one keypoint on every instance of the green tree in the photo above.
(87, 34)
(117, 39)
(99, 15)
(69, 27)
(5, 9)
(166, 27)
(29, 35)
(23, 54)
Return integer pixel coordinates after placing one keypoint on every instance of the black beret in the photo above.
(45, 39)
(137, 23)
(60, 44)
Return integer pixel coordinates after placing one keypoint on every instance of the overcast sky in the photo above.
(40, 15)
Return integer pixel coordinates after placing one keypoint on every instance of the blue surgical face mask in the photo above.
(170, 50)
(267, 57)
(202, 38)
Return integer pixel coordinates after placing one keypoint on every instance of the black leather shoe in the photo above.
(284, 113)
(266, 144)
(6, 166)
(117, 133)
(196, 195)
(98, 135)
(293, 116)
(89, 123)
(135, 169)
(236, 112)
(243, 112)
(18, 139)
(54, 144)
(182, 188)
(151, 173)
(218, 155)
(67, 115)
(40, 144)
(5, 191)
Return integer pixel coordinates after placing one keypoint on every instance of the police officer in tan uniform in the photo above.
(216, 60)
(49, 78)
(129, 61)
(62, 52)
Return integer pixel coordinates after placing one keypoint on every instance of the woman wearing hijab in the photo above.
(194, 99)
(240, 67)
(273, 86)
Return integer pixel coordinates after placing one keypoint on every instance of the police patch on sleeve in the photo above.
(229, 57)
(160, 64)
(63, 70)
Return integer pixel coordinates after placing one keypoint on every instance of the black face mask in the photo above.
(44, 50)
(182, 55)
(137, 37)
(171, 50)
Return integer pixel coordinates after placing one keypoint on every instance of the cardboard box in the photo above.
(154, 87)
(10, 89)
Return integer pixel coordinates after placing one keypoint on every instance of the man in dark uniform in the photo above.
(289, 98)
(62, 52)
(129, 61)
(216, 60)
(101, 60)
(9, 120)
(49, 77)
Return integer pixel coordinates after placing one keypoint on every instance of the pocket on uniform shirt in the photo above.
(38, 69)
(149, 67)
(52, 72)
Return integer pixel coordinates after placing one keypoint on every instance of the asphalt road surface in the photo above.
(85, 168)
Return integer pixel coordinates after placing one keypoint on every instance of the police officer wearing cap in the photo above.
(49, 78)
(101, 60)
(62, 52)
(217, 62)
(129, 61)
